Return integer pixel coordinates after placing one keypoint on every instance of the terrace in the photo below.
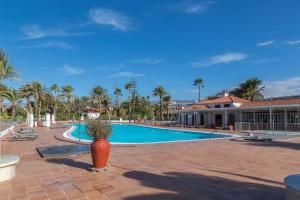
(216, 169)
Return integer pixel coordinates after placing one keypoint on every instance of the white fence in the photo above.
(275, 128)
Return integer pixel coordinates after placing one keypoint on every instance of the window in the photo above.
(217, 106)
(226, 105)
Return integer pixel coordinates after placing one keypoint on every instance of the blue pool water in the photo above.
(125, 133)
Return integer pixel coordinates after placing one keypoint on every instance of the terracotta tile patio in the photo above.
(219, 169)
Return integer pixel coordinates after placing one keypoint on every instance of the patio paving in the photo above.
(218, 169)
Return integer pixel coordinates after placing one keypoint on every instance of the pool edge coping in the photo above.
(67, 135)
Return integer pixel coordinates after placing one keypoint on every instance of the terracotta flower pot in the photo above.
(100, 152)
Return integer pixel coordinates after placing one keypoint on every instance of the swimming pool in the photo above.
(135, 134)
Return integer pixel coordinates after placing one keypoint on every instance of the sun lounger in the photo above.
(202, 126)
(258, 137)
(23, 136)
(28, 131)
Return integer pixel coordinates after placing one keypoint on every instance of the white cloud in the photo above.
(70, 71)
(265, 43)
(36, 32)
(147, 61)
(193, 8)
(264, 60)
(285, 87)
(51, 44)
(110, 18)
(221, 59)
(293, 42)
(126, 75)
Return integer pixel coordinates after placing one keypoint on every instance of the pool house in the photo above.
(226, 111)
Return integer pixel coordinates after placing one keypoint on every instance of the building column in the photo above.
(241, 116)
(285, 120)
(182, 118)
(194, 121)
(225, 118)
(270, 119)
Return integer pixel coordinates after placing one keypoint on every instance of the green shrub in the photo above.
(5, 116)
(98, 129)
(19, 118)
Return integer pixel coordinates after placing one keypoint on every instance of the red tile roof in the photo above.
(195, 107)
(272, 102)
(228, 99)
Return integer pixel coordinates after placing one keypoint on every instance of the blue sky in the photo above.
(169, 43)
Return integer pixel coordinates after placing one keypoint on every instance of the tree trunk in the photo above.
(55, 106)
(36, 108)
(36, 101)
(13, 114)
(160, 108)
(168, 113)
(199, 98)
(40, 107)
(100, 107)
(29, 105)
(1, 104)
(69, 111)
(55, 109)
(129, 103)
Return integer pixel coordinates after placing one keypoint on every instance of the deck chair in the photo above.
(28, 131)
(258, 137)
(23, 136)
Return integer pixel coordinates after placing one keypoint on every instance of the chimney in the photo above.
(222, 94)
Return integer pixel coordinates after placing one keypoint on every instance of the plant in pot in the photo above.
(100, 147)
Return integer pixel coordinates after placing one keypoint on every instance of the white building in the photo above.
(229, 111)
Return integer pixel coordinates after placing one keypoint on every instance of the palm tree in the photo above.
(118, 94)
(160, 92)
(14, 97)
(198, 83)
(26, 92)
(251, 89)
(129, 87)
(98, 93)
(7, 71)
(38, 91)
(55, 89)
(167, 102)
(106, 102)
(79, 104)
(49, 103)
(67, 92)
(132, 98)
